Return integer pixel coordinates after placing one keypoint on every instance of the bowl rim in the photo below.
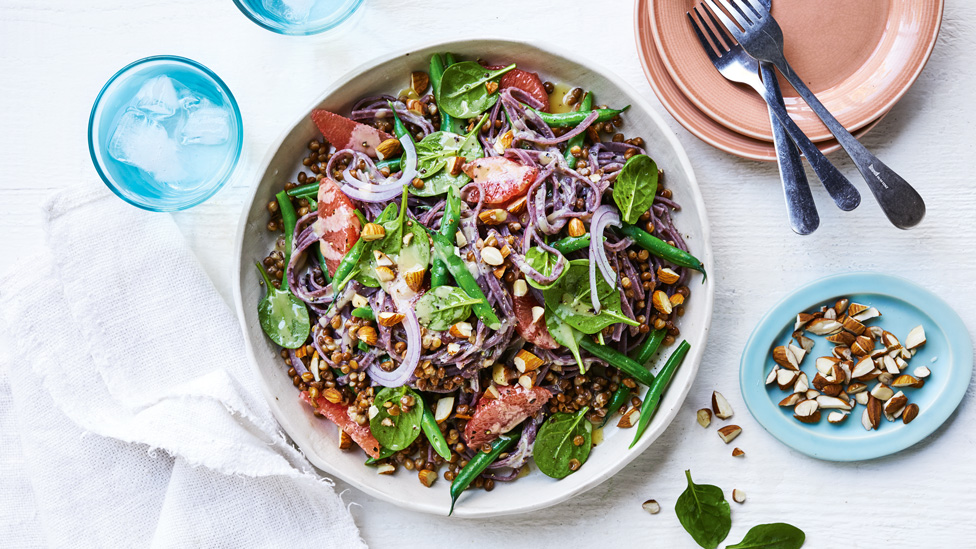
(232, 101)
(331, 22)
(665, 416)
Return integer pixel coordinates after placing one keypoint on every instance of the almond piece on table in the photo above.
(729, 432)
(651, 506)
(737, 452)
(738, 496)
(704, 417)
(721, 407)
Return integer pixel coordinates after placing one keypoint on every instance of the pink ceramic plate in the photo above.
(689, 116)
(858, 57)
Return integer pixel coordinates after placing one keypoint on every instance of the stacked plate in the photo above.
(858, 57)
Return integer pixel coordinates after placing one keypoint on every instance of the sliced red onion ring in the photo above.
(387, 191)
(603, 217)
(400, 376)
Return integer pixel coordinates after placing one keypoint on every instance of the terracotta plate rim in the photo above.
(817, 132)
(704, 128)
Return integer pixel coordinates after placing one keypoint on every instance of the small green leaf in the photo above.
(463, 92)
(283, 317)
(555, 446)
(396, 432)
(565, 335)
(570, 299)
(442, 307)
(704, 513)
(777, 535)
(544, 262)
(635, 187)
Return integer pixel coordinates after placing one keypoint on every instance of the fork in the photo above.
(800, 206)
(761, 37)
(736, 65)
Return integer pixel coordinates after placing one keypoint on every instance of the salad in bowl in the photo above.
(471, 276)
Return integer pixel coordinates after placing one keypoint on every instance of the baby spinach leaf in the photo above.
(442, 307)
(704, 513)
(415, 255)
(777, 535)
(283, 317)
(544, 262)
(464, 93)
(555, 446)
(396, 432)
(570, 300)
(434, 152)
(565, 335)
(635, 187)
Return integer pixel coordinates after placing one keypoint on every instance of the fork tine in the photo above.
(749, 12)
(719, 28)
(760, 10)
(736, 14)
(709, 49)
(727, 22)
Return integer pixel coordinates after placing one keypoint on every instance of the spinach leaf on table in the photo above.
(554, 445)
(704, 513)
(570, 300)
(777, 535)
(635, 187)
(442, 307)
(401, 429)
(464, 93)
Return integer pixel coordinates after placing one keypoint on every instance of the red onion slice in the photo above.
(603, 217)
(387, 191)
(403, 372)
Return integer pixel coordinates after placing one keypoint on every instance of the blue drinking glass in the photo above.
(165, 133)
(298, 17)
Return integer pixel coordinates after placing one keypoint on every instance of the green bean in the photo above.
(434, 434)
(449, 226)
(347, 264)
(459, 270)
(364, 312)
(572, 119)
(663, 250)
(304, 191)
(399, 130)
(620, 397)
(436, 73)
(571, 243)
(288, 218)
(618, 360)
(653, 396)
(322, 265)
(392, 163)
(384, 453)
(577, 140)
(650, 346)
(479, 463)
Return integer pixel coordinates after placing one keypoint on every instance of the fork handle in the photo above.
(845, 195)
(801, 208)
(899, 200)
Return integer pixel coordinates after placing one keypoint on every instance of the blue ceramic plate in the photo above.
(948, 352)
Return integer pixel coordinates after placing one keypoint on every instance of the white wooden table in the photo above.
(55, 56)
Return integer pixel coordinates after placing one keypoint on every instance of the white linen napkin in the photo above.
(129, 414)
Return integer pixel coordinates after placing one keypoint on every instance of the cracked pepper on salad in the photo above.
(468, 279)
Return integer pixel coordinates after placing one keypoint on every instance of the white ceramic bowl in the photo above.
(317, 437)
